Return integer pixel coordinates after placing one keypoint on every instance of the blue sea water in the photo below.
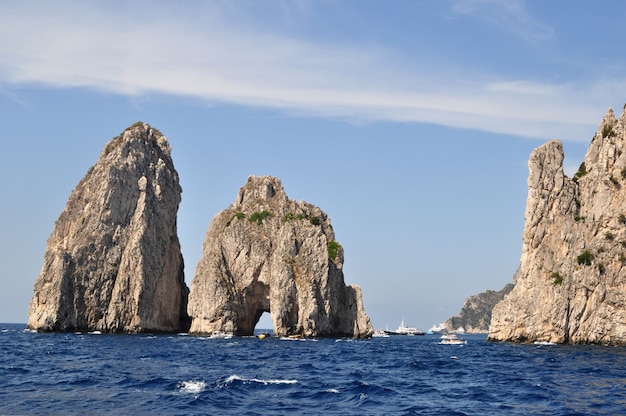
(71, 374)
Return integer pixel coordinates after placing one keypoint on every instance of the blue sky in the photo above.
(409, 123)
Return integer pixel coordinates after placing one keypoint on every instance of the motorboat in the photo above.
(221, 335)
(451, 339)
(379, 333)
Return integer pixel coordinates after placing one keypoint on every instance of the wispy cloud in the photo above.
(509, 16)
(213, 56)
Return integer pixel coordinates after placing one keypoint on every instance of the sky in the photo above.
(410, 123)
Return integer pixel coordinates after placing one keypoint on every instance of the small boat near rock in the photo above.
(221, 335)
(379, 333)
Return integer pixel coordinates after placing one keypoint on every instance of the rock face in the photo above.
(266, 253)
(113, 261)
(475, 315)
(572, 283)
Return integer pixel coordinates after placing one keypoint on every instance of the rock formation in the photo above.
(475, 315)
(266, 253)
(113, 261)
(572, 283)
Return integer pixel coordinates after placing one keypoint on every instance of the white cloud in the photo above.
(213, 56)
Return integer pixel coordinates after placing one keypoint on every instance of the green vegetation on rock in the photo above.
(258, 217)
(557, 279)
(333, 249)
(239, 216)
(585, 258)
(582, 171)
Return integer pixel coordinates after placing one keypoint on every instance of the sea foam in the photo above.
(192, 386)
(235, 377)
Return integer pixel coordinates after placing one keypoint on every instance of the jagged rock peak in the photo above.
(259, 188)
(267, 253)
(572, 286)
(113, 261)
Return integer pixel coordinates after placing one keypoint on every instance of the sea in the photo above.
(180, 374)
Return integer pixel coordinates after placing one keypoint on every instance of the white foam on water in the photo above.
(257, 380)
(298, 339)
(192, 386)
(332, 391)
(235, 377)
(544, 343)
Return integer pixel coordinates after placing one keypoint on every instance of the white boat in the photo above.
(405, 330)
(221, 335)
(437, 329)
(451, 339)
(379, 333)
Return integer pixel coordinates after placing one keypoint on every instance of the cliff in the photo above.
(572, 282)
(475, 315)
(267, 253)
(113, 261)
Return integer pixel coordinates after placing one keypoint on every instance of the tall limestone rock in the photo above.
(113, 261)
(266, 253)
(572, 282)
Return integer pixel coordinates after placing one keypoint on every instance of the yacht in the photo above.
(437, 329)
(405, 330)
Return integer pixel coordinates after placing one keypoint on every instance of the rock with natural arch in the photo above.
(267, 253)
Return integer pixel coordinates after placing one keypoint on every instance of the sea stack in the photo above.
(113, 262)
(267, 253)
(571, 287)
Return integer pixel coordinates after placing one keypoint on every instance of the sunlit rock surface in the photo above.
(267, 253)
(113, 261)
(572, 282)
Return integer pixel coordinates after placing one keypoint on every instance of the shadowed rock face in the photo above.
(571, 286)
(475, 315)
(113, 261)
(266, 253)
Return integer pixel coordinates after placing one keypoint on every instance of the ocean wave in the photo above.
(191, 386)
(298, 339)
(236, 378)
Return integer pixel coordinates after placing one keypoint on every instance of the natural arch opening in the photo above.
(264, 324)
(256, 304)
